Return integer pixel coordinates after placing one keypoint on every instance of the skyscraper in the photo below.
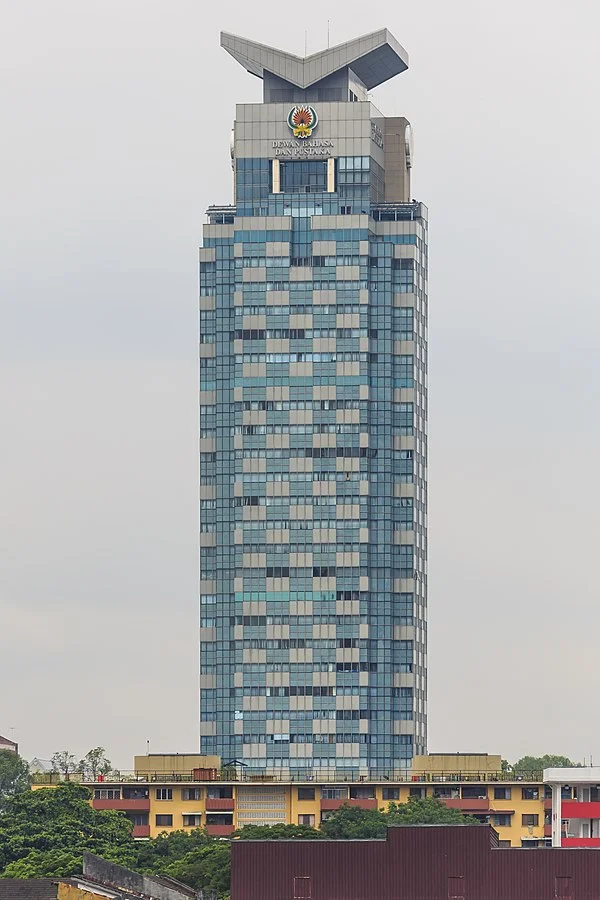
(313, 407)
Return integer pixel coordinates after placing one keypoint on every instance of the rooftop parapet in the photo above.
(344, 72)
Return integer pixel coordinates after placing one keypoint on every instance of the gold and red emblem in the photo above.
(303, 121)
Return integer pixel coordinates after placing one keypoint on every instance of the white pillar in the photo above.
(556, 814)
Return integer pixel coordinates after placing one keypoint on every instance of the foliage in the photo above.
(37, 829)
(208, 868)
(44, 834)
(193, 857)
(529, 764)
(278, 833)
(45, 864)
(426, 811)
(14, 775)
(153, 856)
(95, 763)
(351, 822)
(64, 762)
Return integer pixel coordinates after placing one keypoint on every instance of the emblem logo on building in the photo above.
(302, 120)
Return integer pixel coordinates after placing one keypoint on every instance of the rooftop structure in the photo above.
(7, 744)
(459, 862)
(367, 62)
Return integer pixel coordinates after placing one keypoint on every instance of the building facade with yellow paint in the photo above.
(183, 791)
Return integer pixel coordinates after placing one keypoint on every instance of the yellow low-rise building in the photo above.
(184, 791)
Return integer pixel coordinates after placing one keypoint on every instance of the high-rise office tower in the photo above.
(313, 407)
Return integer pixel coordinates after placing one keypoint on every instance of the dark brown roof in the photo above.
(28, 889)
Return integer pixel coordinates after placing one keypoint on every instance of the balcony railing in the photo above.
(308, 775)
(122, 804)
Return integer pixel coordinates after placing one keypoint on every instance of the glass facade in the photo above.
(313, 486)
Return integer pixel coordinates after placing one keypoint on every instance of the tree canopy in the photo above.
(46, 832)
(278, 833)
(426, 811)
(539, 763)
(14, 776)
(352, 822)
(64, 763)
(95, 763)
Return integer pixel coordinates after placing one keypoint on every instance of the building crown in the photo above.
(364, 62)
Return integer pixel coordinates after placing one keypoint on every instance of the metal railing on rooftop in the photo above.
(318, 776)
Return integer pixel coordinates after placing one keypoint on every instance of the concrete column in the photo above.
(275, 176)
(556, 814)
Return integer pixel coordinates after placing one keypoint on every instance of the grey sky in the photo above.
(116, 117)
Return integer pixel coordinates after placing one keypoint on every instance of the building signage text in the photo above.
(304, 148)
(376, 135)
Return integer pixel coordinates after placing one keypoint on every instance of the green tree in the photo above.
(153, 856)
(37, 829)
(14, 776)
(64, 763)
(351, 822)
(535, 764)
(95, 763)
(45, 864)
(278, 833)
(208, 868)
(426, 811)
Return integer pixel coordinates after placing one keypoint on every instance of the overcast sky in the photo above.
(116, 116)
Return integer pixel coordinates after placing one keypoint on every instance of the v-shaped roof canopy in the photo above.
(374, 58)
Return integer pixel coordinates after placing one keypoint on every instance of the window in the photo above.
(391, 793)
(193, 821)
(502, 793)
(530, 793)
(334, 793)
(164, 793)
(194, 793)
(359, 792)
(474, 792)
(306, 793)
(219, 793)
(419, 792)
(529, 819)
(107, 794)
(303, 177)
(306, 820)
(166, 821)
(219, 818)
(446, 793)
(138, 819)
(135, 793)
(502, 820)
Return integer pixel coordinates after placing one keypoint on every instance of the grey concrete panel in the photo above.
(374, 58)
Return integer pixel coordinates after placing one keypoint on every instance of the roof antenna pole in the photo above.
(305, 42)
